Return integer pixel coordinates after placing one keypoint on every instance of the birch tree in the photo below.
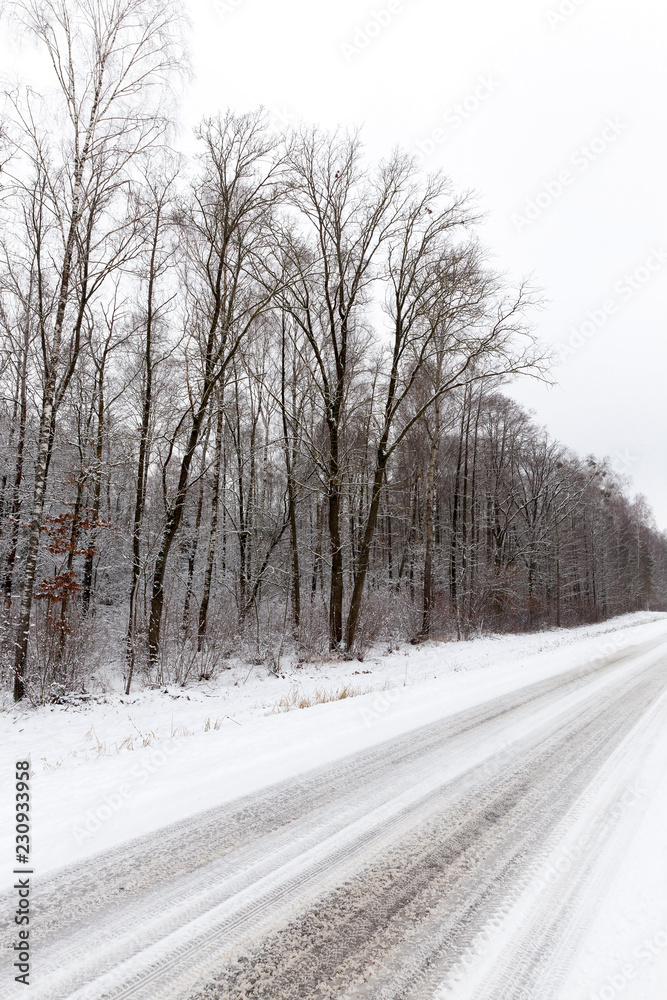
(110, 60)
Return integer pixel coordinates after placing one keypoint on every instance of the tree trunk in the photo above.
(427, 604)
(172, 525)
(18, 476)
(192, 554)
(335, 544)
(453, 554)
(363, 555)
(288, 450)
(97, 492)
(213, 535)
(41, 475)
(336, 585)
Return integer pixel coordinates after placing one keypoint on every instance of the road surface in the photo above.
(386, 875)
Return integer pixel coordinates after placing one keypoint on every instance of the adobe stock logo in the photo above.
(223, 7)
(366, 32)
(625, 289)
(455, 116)
(578, 163)
(86, 827)
(565, 9)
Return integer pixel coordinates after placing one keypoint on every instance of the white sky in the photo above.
(553, 82)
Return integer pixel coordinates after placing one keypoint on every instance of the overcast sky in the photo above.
(506, 98)
(554, 112)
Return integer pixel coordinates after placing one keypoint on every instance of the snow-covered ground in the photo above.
(624, 953)
(214, 741)
(113, 769)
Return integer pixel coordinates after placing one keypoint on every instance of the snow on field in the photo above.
(97, 785)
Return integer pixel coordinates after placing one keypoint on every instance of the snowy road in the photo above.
(464, 859)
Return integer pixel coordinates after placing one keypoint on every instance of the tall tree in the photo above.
(226, 227)
(348, 216)
(108, 61)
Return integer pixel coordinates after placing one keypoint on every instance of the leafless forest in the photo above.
(252, 400)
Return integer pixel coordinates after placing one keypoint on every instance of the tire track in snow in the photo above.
(285, 823)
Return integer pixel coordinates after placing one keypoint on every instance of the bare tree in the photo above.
(422, 266)
(226, 227)
(18, 331)
(155, 263)
(215, 514)
(107, 59)
(349, 215)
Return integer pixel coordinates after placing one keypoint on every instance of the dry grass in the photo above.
(179, 732)
(50, 767)
(140, 740)
(129, 743)
(295, 698)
